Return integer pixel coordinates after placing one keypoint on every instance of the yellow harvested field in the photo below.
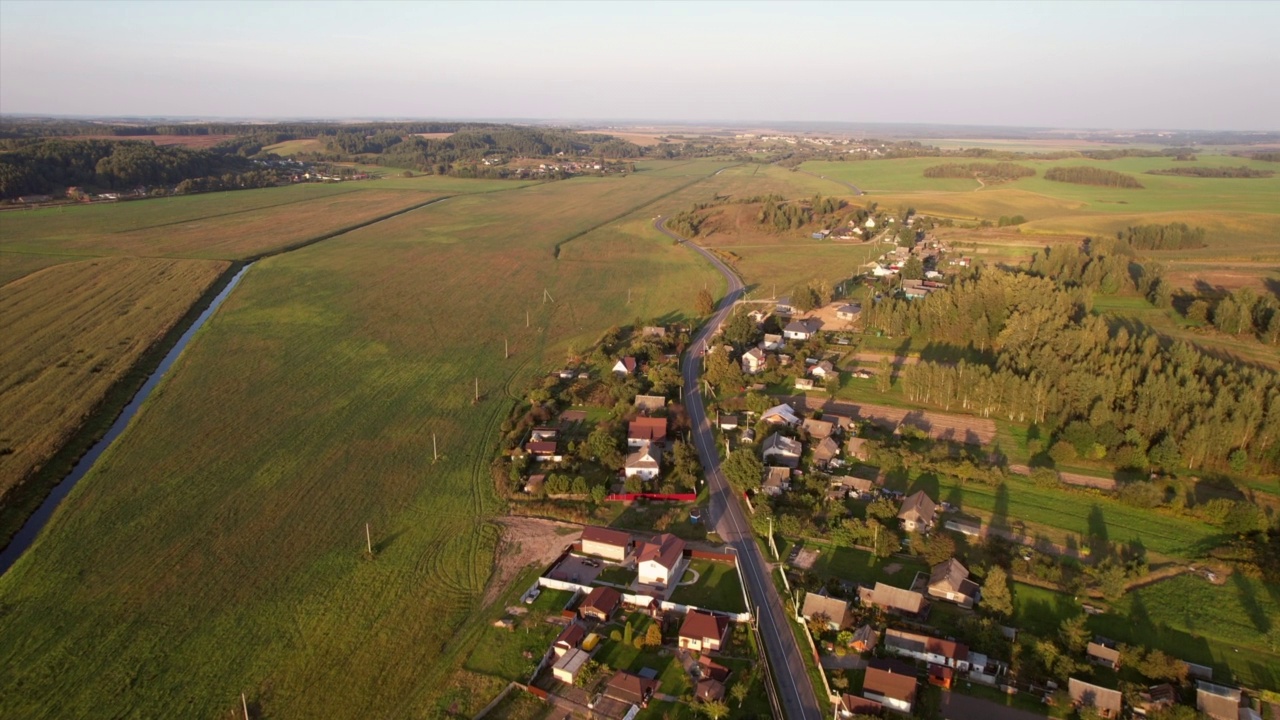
(76, 329)
(219, 235)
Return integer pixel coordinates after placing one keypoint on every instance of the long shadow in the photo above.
(1000, 510)
(1249, 601)
(928, 482)
(1273, 286)
(1096, 534)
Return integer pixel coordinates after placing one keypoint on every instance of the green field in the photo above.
(228, 536)
(861, 566)
(718, 587)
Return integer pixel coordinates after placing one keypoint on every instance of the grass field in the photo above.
(861, 566)
(718, 587)
(83, 325)
(228, 521)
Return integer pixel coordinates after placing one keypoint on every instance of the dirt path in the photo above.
(526, 541)
(955, 428)
(980, 183)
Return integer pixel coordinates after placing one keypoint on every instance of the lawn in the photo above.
(861, 566)
(718, 587)
(620, 656)
(84, 326)
(617, 575)
(225, 529)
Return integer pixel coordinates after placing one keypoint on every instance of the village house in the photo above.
(631, 689)
(544, 434)
(1105, 701)
(917, 512)
(779, 449)
(754, 361)
(823, 370)
(848, 312)
(644, 463)
(712, 677)
(1103, 653)
(804, 384)
(771, 342)
(1217, 701)
(568, 639)
(646, 431)
(776, 480)
(782, 306)
(540, 451)
(650, 403)
(878, 270)
(929, 649)
(865, 639)
(857, 448)
(818, 429)
(728, 421)
(600, 604)
(835, 612)
(566, 669)
(702, 631)
(759, 316)
(894, 600)
(825, 452)
(852, 705)
(894, 690)
(625, 366)
(950, 581)
(782, 414)
(606, 543)
(849, 484)
(660, 559)
(1155, 698)
(800, 329)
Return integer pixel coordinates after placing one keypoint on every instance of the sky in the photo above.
(1111, 65)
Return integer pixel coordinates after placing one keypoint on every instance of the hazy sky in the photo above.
(1141, 65)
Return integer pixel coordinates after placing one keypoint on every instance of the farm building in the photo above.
(777, 480)
(835, 611)
(894, 600)
(569, 665)
(929, 649)
(601, 603)
(631, 689)
(771, 342)
(917, 512)
(606, 543)
(894, 690)
(1217, 701)
(950, 581)
(1105, 701)
(1103, 654)
(781, 450)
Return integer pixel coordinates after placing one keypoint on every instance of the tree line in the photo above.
(1214, 172)
(996, 172)
(1050, 362)
(1174, 236)
(50, 166)
(1085, 175)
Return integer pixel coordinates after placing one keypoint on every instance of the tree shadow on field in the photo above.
(1097, 532)
(1249, 601)
(1273, 286)
(928, 482)
(1000, 509)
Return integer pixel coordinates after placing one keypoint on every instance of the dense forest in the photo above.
(1174, 236)
(1053, 363)
(995, 172)
(1267, 156)
(1214, 172)
(50, 166)
(472, 146)
(1084, 175)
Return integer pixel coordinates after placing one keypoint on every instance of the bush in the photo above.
(1062, 452)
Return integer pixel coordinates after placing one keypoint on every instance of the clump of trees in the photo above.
(1214, 172)
(1174, 236)
(994, 172)
(1085, 175)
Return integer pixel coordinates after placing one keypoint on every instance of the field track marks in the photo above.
(556, 251)
(229, 214)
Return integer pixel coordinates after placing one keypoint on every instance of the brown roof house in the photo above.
(632, 689)
(645, 431)
(857, 448)
(917, 512)
(1102, 653)
(896, 691)
(1105, 700)
(645, 463)
(625, 366)
(606, 543)
(1217, 701)
(776, 480)
(660, 559)
(703, 631)
(568, 639)
(835, 611)
(851, 705)
(711, 679)
(826, 451)
(601, 604)
(950, 581)
(894, 600)
(818, 429)
(946, 653)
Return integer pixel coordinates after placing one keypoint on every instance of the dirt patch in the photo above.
(805, 559)
(953, 428)
(433, 136)
(1217, 282)
(525, 541)
(892, 568)
(827, 315)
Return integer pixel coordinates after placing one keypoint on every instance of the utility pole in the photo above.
(368, 540)
(628, 296)
(506, 349)
(244, 705)
(526, 318)
(477, 389)
(435, 456)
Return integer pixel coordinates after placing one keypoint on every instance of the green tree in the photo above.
(1074, 633)
(603, 446)
(714, 709)
(739, 692)
(743, 470)
(912, 269)
(996, 597)
(938, 548)
(740, 330)
(653, 635)
(884, 375)
(704, 303)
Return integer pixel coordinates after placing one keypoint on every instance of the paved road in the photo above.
(796, 692)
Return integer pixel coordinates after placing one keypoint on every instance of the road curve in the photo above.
(795, 689)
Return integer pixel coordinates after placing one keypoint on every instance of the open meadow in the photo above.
(228, 521)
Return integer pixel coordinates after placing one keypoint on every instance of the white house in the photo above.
(870, 223)
(823, 370)
(625, 366)
(782, 450)
(881, 270)
(782, 414)
(659, 560)
(800, 329)
(946, 653)
(753, 361)
(893, 690)
(569, 665)
(771, 342)
(644, 463)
